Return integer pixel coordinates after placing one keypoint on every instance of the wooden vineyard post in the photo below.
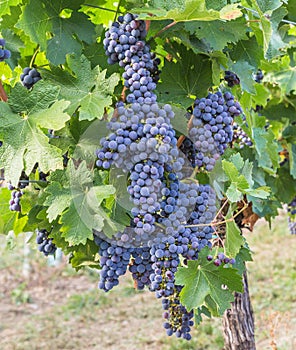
(238, 322)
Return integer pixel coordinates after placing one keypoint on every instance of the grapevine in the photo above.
(148, 144)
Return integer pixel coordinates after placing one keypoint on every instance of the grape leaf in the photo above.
(78, 202)
(88, 90)
(191, 11)
(5, 6)
(24, 116)
(217, 33)
(249, 51)
(267, 149)
(292, 158)
(41, 17)
(190, 75)
(202, 279)
(276, 43)
(244, 71)
(268, 5)
(234, 239)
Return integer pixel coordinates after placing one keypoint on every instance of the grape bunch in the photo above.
(124, 43)
(45, 244)
(171, 213)
(15, 200)
(114, 261)
(211, 127)
(141, 267)
(231, 78)
(178, 320)
(258, 77)
(240, 137)
(221, 259)
(292, 216)
(4, 53)
(29, 77)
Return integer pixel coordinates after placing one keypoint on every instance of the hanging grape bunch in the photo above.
(45, 244)
(4, 53)
(171, 218)
(29, 77)
(231, 78)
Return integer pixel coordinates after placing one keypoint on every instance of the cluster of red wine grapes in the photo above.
(45, 244)
(231, 78)
(211, 129)
(17, 193)
(124, 44)
(4, 53)
(221, 259)
(240, 136)
(15, 200)
(292, 216)
(29, 77)
(171, 214)
(259, 76)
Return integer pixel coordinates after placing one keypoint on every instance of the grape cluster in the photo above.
(29, 77)
(240, 137)
(141, 267)
(178, 320)
(171, 214)
(45, 244)
(114, 261)
(124, 44)
(221, 259)
(211, 129)
(15, 200)
(4, 53)
(292, 216)
(259, 76)
(231, 78)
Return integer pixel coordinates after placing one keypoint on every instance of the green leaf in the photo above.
(244, 71)
(234, 239)
(88, 90)
(6, 4)
(248, 51)
(218, 34)
(190, 76)
(240, 259)
(267, 149)
(41, 17)
(190, 11)
(77, 200)
(292, 158)
(202, 279)
(268, 5)
(25, 118)
(234, 176)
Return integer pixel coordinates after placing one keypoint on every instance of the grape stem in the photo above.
(164, 29)
(34, 56)
(223, 221)
(117, 10)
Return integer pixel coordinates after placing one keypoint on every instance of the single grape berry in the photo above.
(209, 257)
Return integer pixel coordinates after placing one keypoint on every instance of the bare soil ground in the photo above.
(56, 308)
